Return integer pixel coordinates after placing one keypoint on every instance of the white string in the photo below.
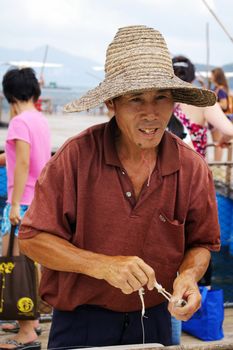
(150, 169)
(141, 293)
(168, 296)
(163, 291)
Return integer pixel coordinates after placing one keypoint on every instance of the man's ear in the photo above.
(110, 105)
(111, 108)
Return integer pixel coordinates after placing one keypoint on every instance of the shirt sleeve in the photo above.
(202, 227)
(53, 209)
(18, 130)
(222, 94)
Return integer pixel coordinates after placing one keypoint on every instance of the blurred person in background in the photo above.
(196, 119)
(221, 89)
(27, 150)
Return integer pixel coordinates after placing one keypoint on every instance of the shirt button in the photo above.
(162, 218)
(128, 194)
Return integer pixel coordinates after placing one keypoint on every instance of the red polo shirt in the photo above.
(85, 196)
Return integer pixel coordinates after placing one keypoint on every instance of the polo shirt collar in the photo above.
(110, 152)
(168, 155)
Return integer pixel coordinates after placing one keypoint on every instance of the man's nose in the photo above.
(151, 111)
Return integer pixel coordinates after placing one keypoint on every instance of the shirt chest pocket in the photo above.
(165, 240)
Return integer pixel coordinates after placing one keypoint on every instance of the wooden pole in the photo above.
(218, 20)
(229, 169)
(207, 54)
(44, 61)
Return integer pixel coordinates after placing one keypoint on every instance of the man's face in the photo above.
(142, 117)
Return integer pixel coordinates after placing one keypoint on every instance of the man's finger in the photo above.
(149, 272)
(140, 275)
(134, 283)
(127, 289)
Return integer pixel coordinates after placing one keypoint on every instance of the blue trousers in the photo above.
(91, 326)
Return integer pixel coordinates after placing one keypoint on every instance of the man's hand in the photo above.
(129, 273)
(15, 214)
(185, 287)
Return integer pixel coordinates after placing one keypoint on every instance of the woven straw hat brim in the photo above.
(120, 85)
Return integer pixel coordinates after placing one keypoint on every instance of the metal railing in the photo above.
(223, 173)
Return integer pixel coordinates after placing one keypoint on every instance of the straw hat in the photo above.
(138, 59)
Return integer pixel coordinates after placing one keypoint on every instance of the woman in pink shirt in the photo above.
(27, 150)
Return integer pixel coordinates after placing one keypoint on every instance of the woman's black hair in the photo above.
(21, 85)
(183, 68)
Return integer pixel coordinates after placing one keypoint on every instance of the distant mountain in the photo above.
(226, 67)
(76, 71)
(200, 67)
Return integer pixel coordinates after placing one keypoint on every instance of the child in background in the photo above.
(27, 150)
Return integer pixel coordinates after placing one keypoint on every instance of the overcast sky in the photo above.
(85, 27)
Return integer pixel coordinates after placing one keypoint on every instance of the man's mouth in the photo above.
(148, 131)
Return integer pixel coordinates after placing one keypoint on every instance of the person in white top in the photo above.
(196, 119)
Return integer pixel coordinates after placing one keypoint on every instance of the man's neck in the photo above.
(139, 164)
(134, 153)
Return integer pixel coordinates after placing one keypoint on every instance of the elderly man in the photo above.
(124, 205)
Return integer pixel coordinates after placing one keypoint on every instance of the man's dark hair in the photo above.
(183, 68)
(21, 85)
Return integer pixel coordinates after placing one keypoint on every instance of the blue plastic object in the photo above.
(207, 323)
